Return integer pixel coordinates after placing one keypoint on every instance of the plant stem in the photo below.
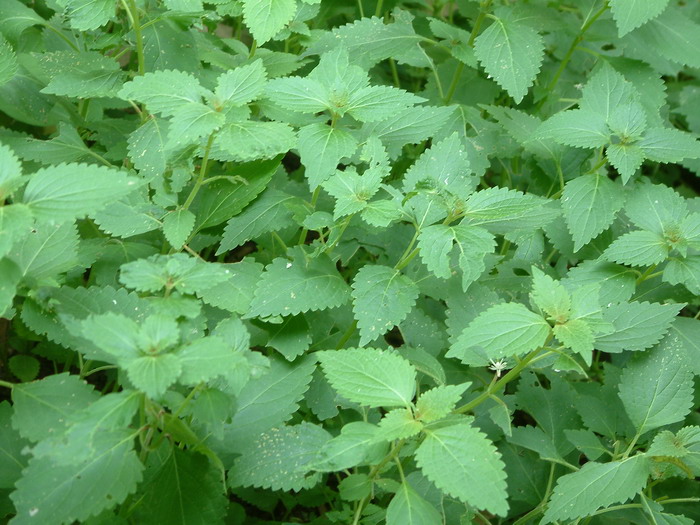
(6, 384)
(379, 9)
(501, 383)
(347, 335)
(202, 173)
(314, 200)
(569, 53)
(454, 83)
(133, 13)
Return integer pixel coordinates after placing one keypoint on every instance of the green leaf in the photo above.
(177, 227)
(630, 14)
(656, 387)
(672, 34)
(146, 146)
(626, 159)
(351, 191)
(46, 251)
(501, 331)
(373, 103)
(408, 508)
(369, 41)
(291, 338)
(596, 486)
(606, 91)
(82, 75)
(669, 145)
(153, 374)
(15, 223)
(41, 408)
(382, 298)
(68, 191)
(356, 444)
(250, 140)
(577, 335)
(302, 285)
(410, 126)
(106, 479)
(86, 15)
(16, 17)
(269, 400)
(321, 147)
(281, 459)
(502, 210)
(182, 487)
(590, 205)
(511, 52)
(398, 423)
(156, 90)
(12, 461)
(192, 121)
(241, 85)
(463, 463)
(436, 243)
(268, 213)
(235, 293)
(550, 296)
(438, 402)
(8, 61)
(369, 376)
(685, 271)
(576, 127)
(638, 326)
(11, 276)
(179, 272)
(204, 359)
(638, 248)
(266, 18)
(114, 335)
(304, 95)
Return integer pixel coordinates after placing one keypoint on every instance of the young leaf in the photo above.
(158, 92)
(153, 374)
(369, 376)
(241, 85)
(590, 204)
(657, 387)
(355, 445)
(177, 227)
(437, 402)
(550, 295)
(501, 331)
(321, 147)
(398, 424)
(463, 463)
(638, 248)
(596, 486)
(382, 298)
(204, 359)
(86, 15)
(511, 52)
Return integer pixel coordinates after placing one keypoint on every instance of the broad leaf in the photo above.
(463, 462)
(266, 18)
(382, 298)
(369, 376)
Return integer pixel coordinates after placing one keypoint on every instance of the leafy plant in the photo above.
(402, 262)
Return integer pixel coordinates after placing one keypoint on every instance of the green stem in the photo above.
(6, 384)
(569, 53)
(479, 20)
(501, 383)
(380, 8)
(133, 13)
(347, 335)
(202, 173)
(455, 82)
(405, 262)
(62, 37)
(362, 11)
(314, 200)
(646, 275)
(343, 227)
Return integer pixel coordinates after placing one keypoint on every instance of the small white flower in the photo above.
(498, 366)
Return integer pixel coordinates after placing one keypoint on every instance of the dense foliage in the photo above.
(349, 261)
